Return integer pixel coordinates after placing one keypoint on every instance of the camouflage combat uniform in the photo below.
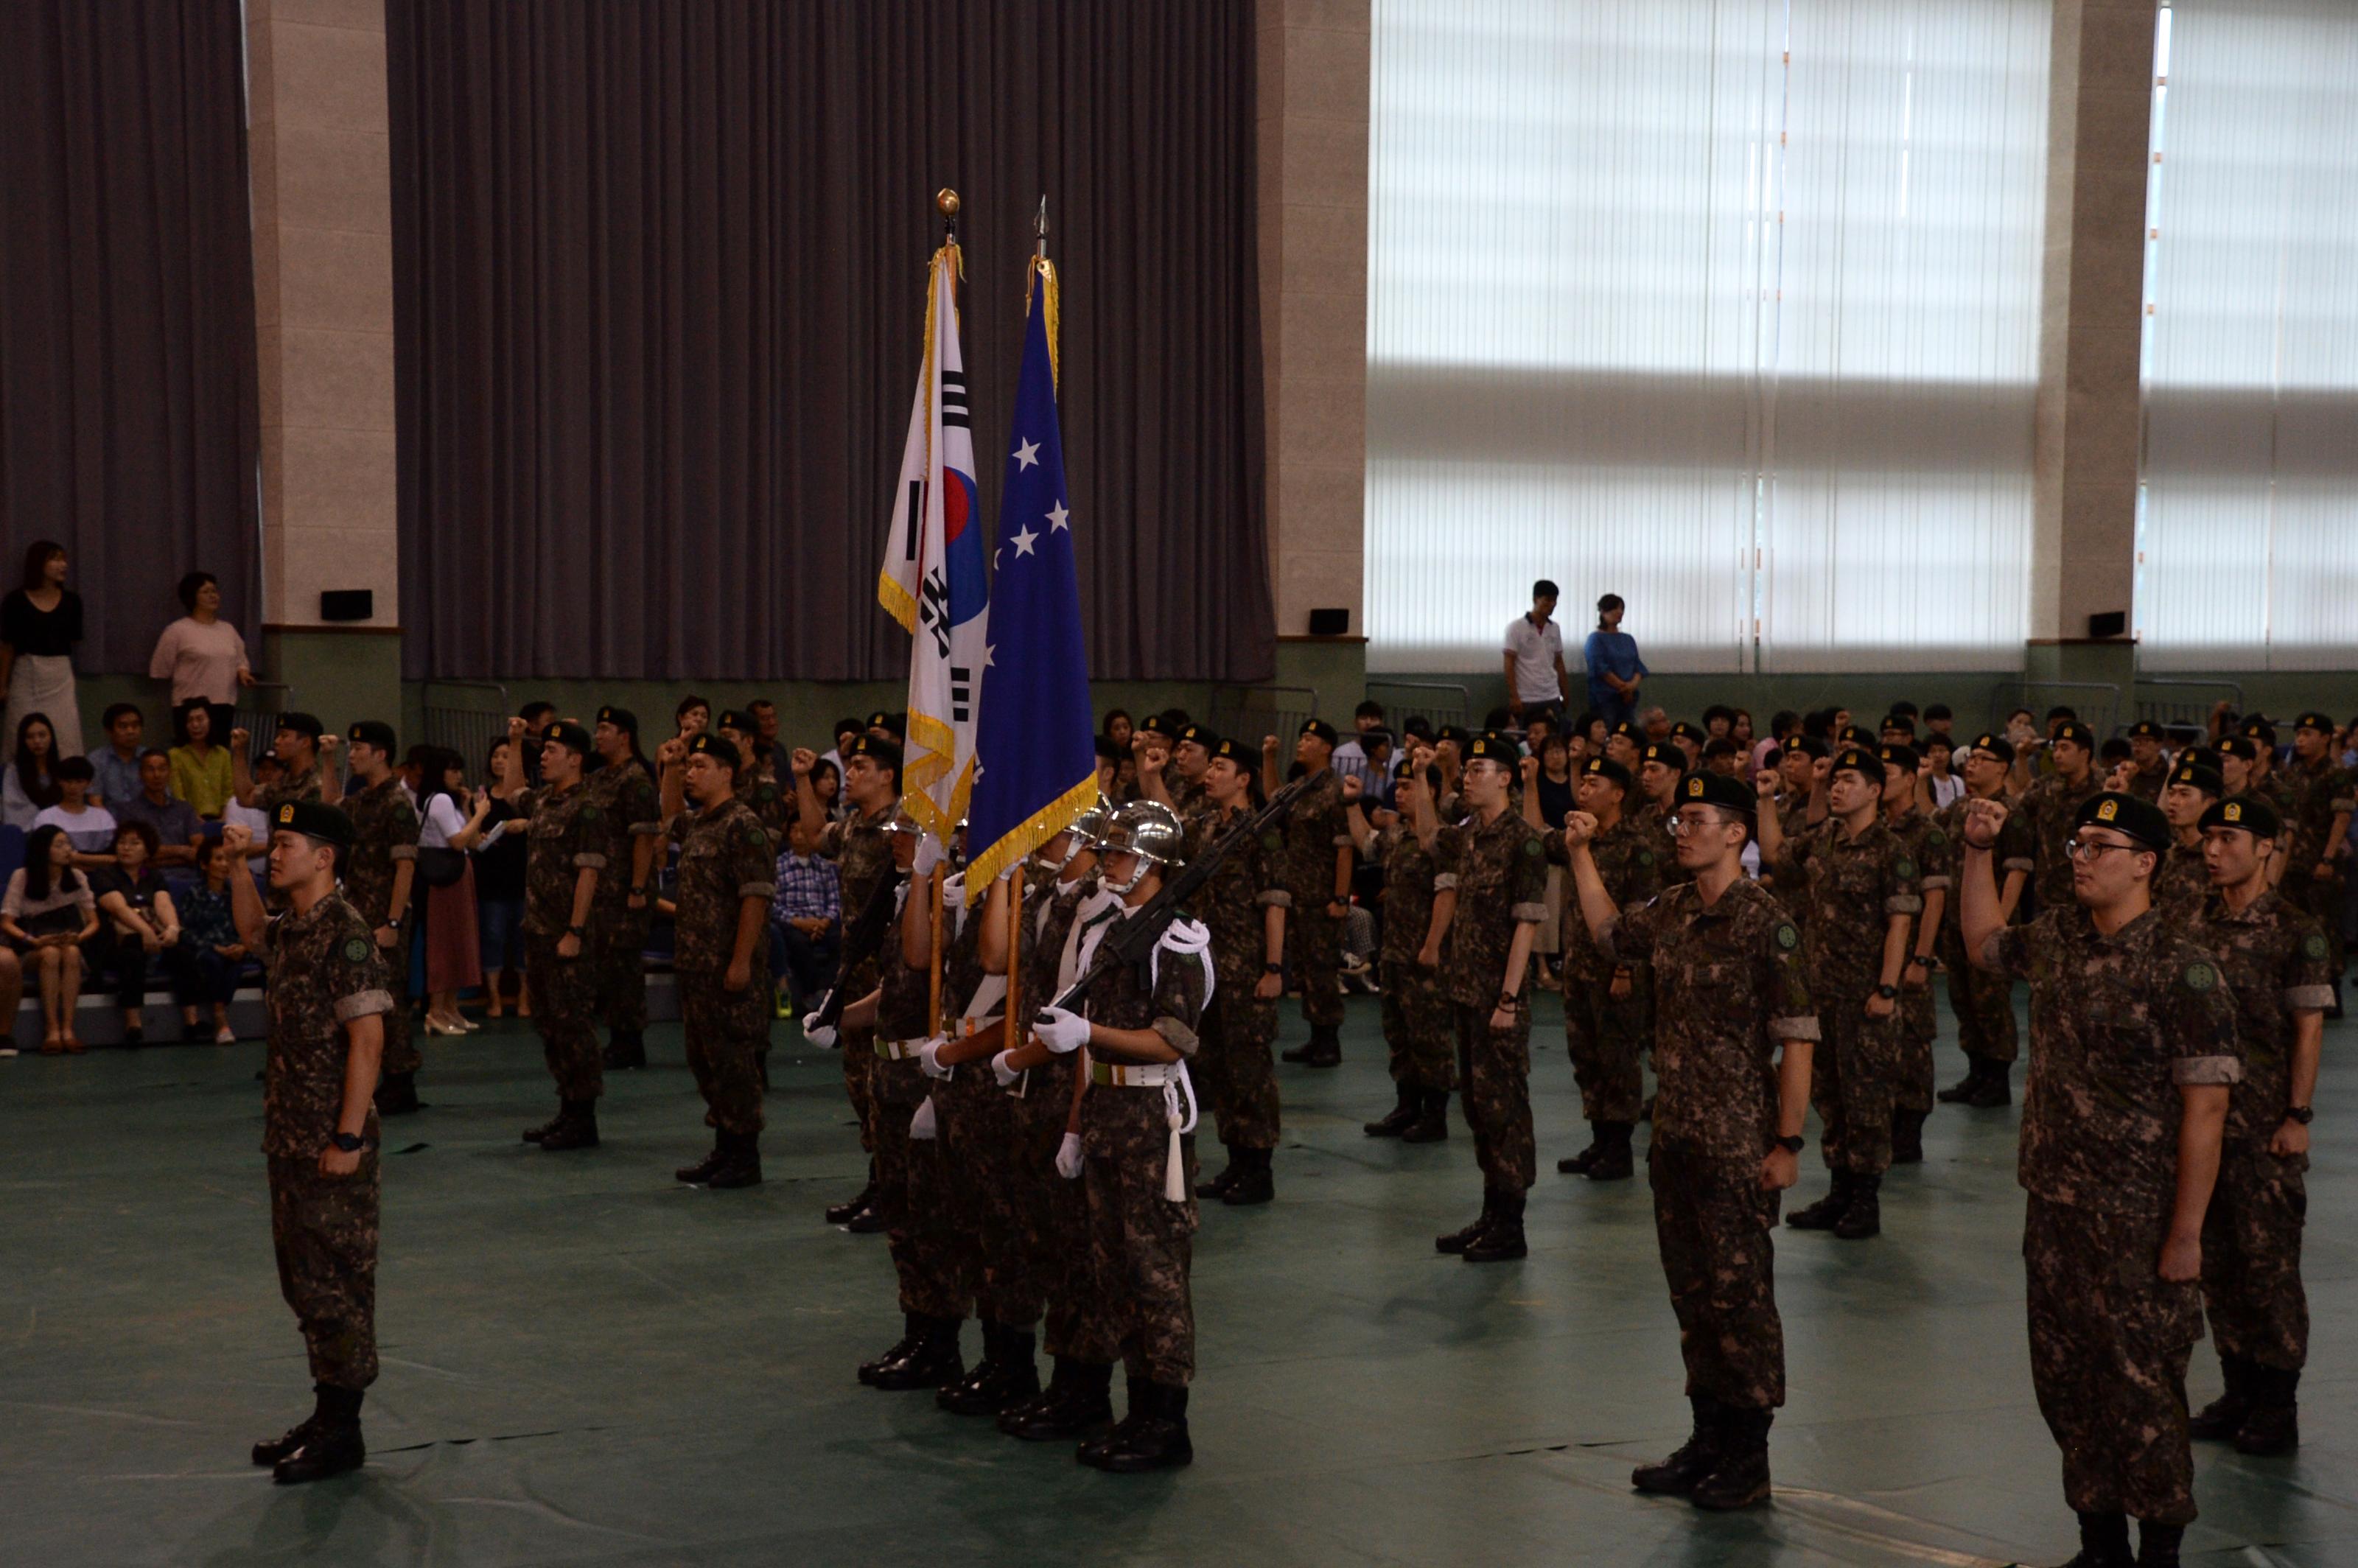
(919, 1212)
(1981, 999)
(2276, 961)
(1850, 888)
(568, 835)
(2119, 1024)
(1501, 883)
(1934, 850)
(2147, 783)
(1238, 1076)
(863, 854)
(1080, 1321)
(321, 971)
(1314, 829)
(2312, 795)
(978, 1127)
(627, 802)
(1604, 1036)
(292, 785)
(2050, 808)
(2180, 882)
(1729, 984)
(1418, 1026)
(384, 833)
(725, 857)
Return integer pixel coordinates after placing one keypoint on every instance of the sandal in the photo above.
(74, 1047)
(52, 1045)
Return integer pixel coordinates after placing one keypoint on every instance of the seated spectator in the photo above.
(201, 654)
(691, 716)
(180, 833)
(139, 930)
(1117, 728)
(806, 929)
(117, 763)
(1723, 756)
(499, 883)
(49, 913)
(826, 782)
(201, 774)
(209, 933)
(32, 781)
(92, 827)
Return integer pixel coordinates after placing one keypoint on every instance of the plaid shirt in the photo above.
(808, 889)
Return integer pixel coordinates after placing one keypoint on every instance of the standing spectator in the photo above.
(1556, 789)
(32, 778)
(1614, 667)
(826, 782)
(39, 624)
(691, 716)
(453, 943)
(92, 827)
(180, 836)
(201, 774)
(209, 934)
(1536, 684)
(1944, 784)
(115, 765)
(765, 713)
(806, 929)
(140, 929)
(48, 913)
(201, 654)
(538, 717)
(499, 883)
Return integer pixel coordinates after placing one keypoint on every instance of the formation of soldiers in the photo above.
(2179, 972)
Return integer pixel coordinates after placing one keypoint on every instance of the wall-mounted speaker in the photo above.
(347, 604)
(1329, 622)
(2111, 623)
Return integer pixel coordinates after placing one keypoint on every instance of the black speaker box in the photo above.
(2111, 623)
(347, 604)
(1329, 622)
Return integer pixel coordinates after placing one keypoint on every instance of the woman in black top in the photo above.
(1556, 789)
(39, 624)
(139, 930)
(499, 885)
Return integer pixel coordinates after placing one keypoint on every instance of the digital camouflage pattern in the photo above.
(384, 834)
(1981, 1000)
(2050, 808)
(1236, 1071)
(1605, 1037)
(627, 802)
(323, 1230)
(566, 835)
(913, 1186)
(1714, 1223)
(725, 857)
(1934, 850)
(2273, 959)
(1418, 1026)
(1501, 884)
(1053, 1213)
(293, 784)
(1314, 827)
(862, 853)
(2310, 797)
(2147, 783)
(2179, 883)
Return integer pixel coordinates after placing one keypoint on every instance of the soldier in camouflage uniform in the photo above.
(327, 999)
(1864, 891)
(1246, 906)
(2132, 1052)
(626, 799)
(1419, 888)
(1603, 1016)
(1139, 1161)
(2050, 805)
(727, 871)
(296, 743)
(1658, 771)
(565, 859)
(2149, 769)
(1501, 899)
(1183, 781)
(1929, 845)
(1983, 1000)
(2276, 963)
(1731, 991)
(2317, 798)
(2182, 881)
(1317, 873)
(379, 882)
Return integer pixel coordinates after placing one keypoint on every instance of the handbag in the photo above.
(441, 868)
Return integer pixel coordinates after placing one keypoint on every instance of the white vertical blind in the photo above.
(1579, 232)
(2248, 537)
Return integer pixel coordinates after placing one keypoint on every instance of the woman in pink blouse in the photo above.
(201, 654)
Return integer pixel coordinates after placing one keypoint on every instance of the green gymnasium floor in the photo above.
(586, 1363)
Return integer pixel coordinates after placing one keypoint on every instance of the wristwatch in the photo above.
(1509, 1000)
(1887, 992)
(346, 1142)
(574, 931)
(2301, 1113)
(1272, 969)
(1792, 1145)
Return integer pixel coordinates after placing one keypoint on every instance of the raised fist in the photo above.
(1983, 820)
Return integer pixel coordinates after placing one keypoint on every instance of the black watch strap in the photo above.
(348, 1142)
(1887, 992)
(1792, 1145)
(2301, 1113)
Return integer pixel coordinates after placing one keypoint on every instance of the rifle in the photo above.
(861, 941)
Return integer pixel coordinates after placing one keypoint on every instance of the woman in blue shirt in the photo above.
(1614, 667)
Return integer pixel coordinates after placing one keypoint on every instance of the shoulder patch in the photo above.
(2201, 977)
(589, 812)
(1787, 937)
(1273, 841)
(767, 793)
(2314, 945)
(356, 950)
(643, 790)
(757, 839)
(1936, 837)
(1645, 856)
(1903, 867)
(1532, 845)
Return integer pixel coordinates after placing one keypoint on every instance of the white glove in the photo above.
(929, 1057)
(930, 850)
(954, 892)
(1060, 1031)
(921, 1126)
(1068, 1156)
(1003, 1072)
(820, 1036)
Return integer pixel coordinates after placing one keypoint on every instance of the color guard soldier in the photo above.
(1318, 874)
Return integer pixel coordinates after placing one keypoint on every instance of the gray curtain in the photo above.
(659, 279)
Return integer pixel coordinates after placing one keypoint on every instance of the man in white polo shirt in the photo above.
(1534, 660)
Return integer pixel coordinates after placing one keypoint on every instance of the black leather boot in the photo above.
(740, 1163)
(1578, 1164)
(933, 1361)
(576, 1128)
(702, 1170)
(913, 1326)
(1824, 1213)
(1003, 1379)
(1303, 1051)
(1962, 1091)
(1907, 1137)
(271, 1450)
(1863, 1217)
(842, 1213)
(1325, 1047)
(2222, 1418)
(1157, 1440)
(1614, 1163)
(1217, 1187)
(627, 1048)
(1502, 1240)
(1739, 1475)
(1408, 1106)
(1254, 1183)
(2104, 1542)
(1431, 1123)
(1094, 1451)
(1996, 1088)
(868, 1221)
(333, 1444)
(1691, 1461)
(540, 1134)
(2158, 1544)
(396, 1093)
(1079, 1399)
(2273, 1424)
(1458, 1240)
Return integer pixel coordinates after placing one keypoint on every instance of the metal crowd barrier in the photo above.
(1439, 703)
(1250, 712)
(465, 724)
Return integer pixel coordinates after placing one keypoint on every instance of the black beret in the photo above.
(321, 823)
(2242, 746)
(2194, 775)
(880, 719)
(2260, 729)
(1860, 761)
(1705, 788)
(2079, 734)
(568, 733)
(1233, 750)
(2256, 815)
(1900, 721)
(1665, 753)
(1321, 729)
(882, 751)
(1107, 751)
(1684, 730)
(1628, 729)
(1609, 770)
(2207, 756)
(1899, 756)
(1157, 724)
(1860, 736)
(1997, 746)
(621, 719)
(302, 724)
(372, 732)
(1493, 748)
(2313, 720)
(1810, 746)
(2140, 819)
(720, 749)
(2144, 730)
(1453, 733)
(1201, 734)
(735, 718)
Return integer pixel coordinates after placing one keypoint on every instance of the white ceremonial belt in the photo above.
(899, 1050)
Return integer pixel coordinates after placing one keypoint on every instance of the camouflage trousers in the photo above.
(1605, 1038)
(562, 1000)
(1315, 941)
(1715, 1222)
(1918, 1026)
(1852, 1074)
(857, 1048)
(2251, 1256)
(913, 1195)
(1495, 1068)
(622, 967)
(1054, 1222)
(726, 1031)
(400, 1047)
(323, 1230)
(1234, 1067)
(1984, 1003)
(978, 1137)
(1142, 1244)
(1419, 1027)
(2109, 1342)
(2321, 900)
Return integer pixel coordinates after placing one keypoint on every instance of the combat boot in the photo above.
(1863, 1217)
(1691, 1461)
(740, 1163)
(1961, 1092)
(1094, 1451)
(2104, 1542)
(1431, 1123)
(1907, 1137)
(1158, 1440)
(626, 1049)
(1325, 1048)
(1217, 1187)
(868, 1221)
(2273, 1424)
(1458, 1240)
(1740, 1477)
(1996, 1088)
(913, 1329)
(2224, 1416)
(2158, 1544)
(842, 1213)
(333, 1444)
(1307, 1049)
(1824, 1213)
(271, 1450)
(1002, 1379)
(1614, 1163)
(934, 1362)
(1395, 1121)
(537, 1134)
(1255, 1183)
(1502, 1240)
(396, 1093)
(1578, 1164)
(576, 1128)
(1079, 1399)
(702, 1170)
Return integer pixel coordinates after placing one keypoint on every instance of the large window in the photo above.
(2248, 535)
(1727, 306)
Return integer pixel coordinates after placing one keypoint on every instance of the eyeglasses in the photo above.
(2094, 849)
(1680, 826)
